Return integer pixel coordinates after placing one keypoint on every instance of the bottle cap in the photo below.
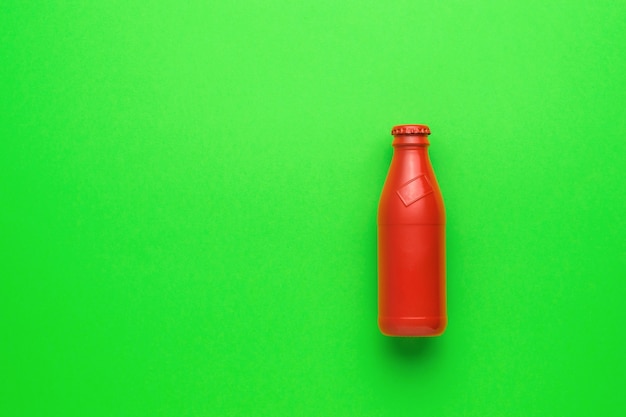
(410, 130)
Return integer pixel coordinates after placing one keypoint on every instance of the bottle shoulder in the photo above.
(411, 193)
(414, 201)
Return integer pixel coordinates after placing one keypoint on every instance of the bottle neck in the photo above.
(411, 157)
(410, 141)
(410, 152)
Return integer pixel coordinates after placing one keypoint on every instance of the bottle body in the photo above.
(411, 241)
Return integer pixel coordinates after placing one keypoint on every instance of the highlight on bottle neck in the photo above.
(410, 135)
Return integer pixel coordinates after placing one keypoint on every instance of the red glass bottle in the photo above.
(411, 241)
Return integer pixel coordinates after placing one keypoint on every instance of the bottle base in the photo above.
(412, 326)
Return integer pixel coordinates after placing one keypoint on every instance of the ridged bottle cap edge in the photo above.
(410, 130)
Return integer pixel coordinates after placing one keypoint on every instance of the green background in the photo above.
(189, 195)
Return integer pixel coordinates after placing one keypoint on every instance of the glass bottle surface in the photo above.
(411, 241)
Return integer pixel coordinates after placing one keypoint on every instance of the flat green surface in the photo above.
(189, 194)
